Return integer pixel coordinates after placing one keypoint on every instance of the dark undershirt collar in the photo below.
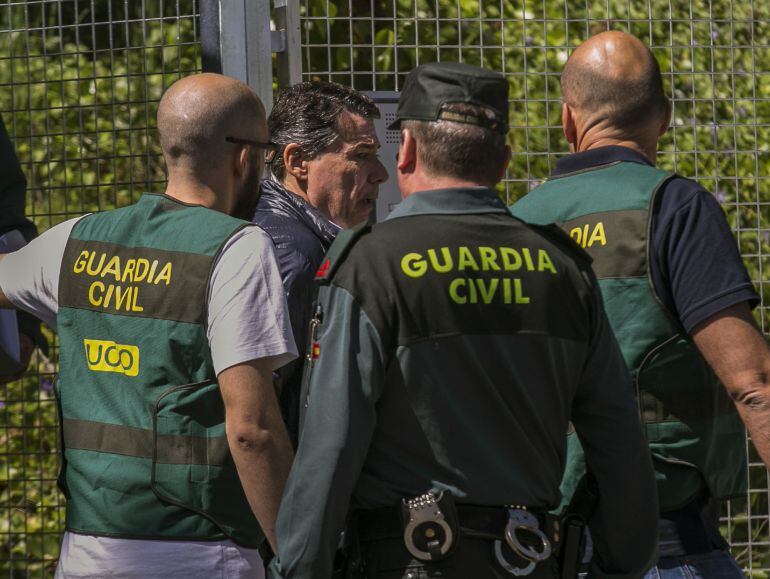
(449, 201)
(597, 157)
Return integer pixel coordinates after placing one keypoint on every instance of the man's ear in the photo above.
(294, 161)
(569, 126)
(504, 165)
(407, 153)
(242, 161)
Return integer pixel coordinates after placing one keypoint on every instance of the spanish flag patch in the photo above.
(323, 269)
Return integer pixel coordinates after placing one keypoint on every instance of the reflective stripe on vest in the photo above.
(143, 443)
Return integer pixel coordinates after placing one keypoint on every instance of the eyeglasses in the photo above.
(270, 148)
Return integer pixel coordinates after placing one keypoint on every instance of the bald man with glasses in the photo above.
(171, 318)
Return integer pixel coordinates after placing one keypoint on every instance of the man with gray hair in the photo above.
(324, 176)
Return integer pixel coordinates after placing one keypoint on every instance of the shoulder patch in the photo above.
(563, 240)
(338, 251)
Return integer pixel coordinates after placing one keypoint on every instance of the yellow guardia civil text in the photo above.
(469, 289)
(108, 290)
(587, 235)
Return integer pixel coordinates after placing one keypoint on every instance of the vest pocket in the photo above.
(189, 443)
(191, 463)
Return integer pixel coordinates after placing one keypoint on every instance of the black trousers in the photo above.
(471, 559)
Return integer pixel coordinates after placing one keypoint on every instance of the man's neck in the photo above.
(292, 186)
(633, 145)
(195, 193)
(602, 136)
(425, 182)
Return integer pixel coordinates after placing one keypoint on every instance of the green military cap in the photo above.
(431, 86)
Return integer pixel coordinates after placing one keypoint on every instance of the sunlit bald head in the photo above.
(614, 77)
(198, 112)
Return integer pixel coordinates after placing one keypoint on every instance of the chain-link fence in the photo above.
(80, 81)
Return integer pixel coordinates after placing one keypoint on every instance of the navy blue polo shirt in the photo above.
(695, 265)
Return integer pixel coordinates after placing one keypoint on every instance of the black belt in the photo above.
(475, 521)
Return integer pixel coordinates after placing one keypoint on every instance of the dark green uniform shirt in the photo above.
(455, 344)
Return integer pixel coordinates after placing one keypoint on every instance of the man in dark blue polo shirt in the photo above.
(676, 291)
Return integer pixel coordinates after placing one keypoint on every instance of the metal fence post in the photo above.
(237, 41)
(288, 42)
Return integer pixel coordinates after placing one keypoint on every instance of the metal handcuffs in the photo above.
(519, 519)
(425, 520)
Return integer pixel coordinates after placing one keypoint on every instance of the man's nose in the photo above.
(379, 174)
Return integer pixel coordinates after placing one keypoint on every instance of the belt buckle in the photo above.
(426, 517)
(519, 519)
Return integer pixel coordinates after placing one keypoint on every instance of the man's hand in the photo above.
(738, 353)
(26, 347)
(257, 437)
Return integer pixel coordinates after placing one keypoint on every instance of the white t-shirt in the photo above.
(247, 319)
(84, 556)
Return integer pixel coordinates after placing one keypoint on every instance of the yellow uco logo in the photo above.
(107, 356)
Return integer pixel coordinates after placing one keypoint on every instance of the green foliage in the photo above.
(31, 510)
(83, 116)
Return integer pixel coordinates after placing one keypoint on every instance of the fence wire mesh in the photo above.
(80, 81)
(79, 85)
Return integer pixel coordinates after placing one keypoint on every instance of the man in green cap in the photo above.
(451, 345)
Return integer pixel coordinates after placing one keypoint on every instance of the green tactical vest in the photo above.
(142, 418)
(693, 430)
